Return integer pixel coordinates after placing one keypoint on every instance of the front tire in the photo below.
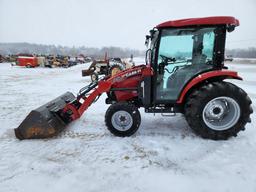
(122, 119)
(218, 110)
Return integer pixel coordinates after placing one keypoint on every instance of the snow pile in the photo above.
(164, 155)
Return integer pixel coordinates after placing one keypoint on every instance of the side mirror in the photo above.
(231, 28)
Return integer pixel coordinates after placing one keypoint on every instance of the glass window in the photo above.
(208, 43)
(179, 47)
(182, 54)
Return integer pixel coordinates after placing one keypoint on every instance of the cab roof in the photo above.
(225, 20)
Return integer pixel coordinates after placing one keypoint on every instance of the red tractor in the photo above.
(184, 73)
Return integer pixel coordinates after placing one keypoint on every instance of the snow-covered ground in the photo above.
(164, 155)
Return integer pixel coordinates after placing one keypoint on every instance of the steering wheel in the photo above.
(164, 63)
(167, 59)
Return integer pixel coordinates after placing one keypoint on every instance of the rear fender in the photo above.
(199, 79)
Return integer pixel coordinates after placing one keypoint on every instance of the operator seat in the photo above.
(183, 74)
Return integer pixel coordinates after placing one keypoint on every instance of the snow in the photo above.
(242, 59)
(164, 155)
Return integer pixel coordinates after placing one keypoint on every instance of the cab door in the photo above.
(182, 54)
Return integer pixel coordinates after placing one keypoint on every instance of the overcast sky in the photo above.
(124, 23)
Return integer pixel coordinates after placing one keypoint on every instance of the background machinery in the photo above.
(110, 67)
(27, 60)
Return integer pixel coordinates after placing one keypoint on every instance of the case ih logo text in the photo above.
(132, 73)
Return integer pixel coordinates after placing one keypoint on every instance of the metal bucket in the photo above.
(45, 121)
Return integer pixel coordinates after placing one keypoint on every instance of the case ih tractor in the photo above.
(184, 73)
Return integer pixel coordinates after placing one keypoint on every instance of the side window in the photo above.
(208, 44)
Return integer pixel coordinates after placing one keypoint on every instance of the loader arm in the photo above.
(86, 98)
(103, 86)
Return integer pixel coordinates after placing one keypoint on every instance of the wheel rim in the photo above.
(221, 113)
(122, 120)
(94, 77)
(114, 71)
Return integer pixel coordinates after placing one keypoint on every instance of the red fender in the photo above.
(226, 74)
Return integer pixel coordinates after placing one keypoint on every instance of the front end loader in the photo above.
(184, 73)
(51, 118)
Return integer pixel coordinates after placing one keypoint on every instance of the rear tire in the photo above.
(122, 119)
(218, 110)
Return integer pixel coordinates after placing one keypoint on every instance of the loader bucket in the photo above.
(45, 121)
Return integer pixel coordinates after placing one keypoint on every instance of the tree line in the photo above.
(28, 48)
(16, 48)
(242, 53)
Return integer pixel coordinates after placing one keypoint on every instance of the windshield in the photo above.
(186, 44)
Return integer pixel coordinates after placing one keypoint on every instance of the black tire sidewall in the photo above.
(222, 89)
